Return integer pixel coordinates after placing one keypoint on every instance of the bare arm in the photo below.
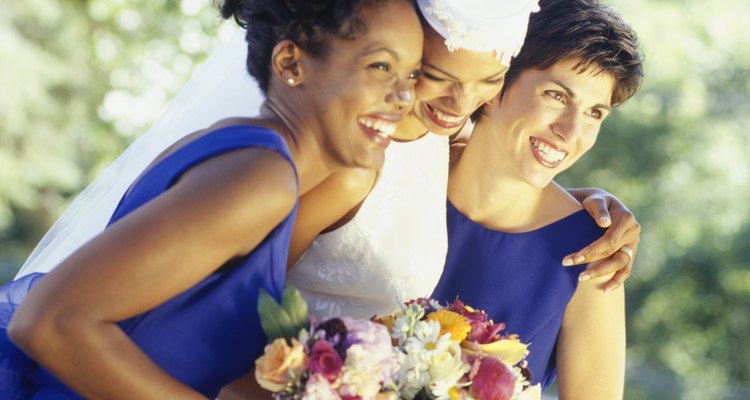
(591, 344)
(327, 206)
(623, 230)
(68, 322)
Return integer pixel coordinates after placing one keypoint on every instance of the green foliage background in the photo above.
(80, 79)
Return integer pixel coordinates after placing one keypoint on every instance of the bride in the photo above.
(365, 243)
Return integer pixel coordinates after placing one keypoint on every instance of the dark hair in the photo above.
(308, 23)
(583, 30)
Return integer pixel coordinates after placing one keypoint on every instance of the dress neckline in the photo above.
(574, 216)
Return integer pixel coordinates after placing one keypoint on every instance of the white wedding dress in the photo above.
(394, 249)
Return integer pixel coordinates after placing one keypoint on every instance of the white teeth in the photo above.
(548, 153)
(444, 117)
(385, 129)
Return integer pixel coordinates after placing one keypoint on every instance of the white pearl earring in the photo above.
(290, 81)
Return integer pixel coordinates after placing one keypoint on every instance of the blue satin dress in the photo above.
(207, 336)
(517, 278)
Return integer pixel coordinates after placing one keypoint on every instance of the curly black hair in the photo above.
(308, 23)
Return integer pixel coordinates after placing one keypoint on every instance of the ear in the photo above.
(285, 63)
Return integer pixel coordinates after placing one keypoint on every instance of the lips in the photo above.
(378, 130)
(442, 119)
(546, 153)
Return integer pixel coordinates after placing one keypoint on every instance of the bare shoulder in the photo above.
(353, 183)
(564, 202)
(242, 183)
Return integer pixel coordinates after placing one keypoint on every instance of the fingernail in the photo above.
(567, 262)
(605, 219)
(584, 277)
(580, 259)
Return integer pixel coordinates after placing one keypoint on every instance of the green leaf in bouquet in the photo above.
(296, 307)
(275, 320)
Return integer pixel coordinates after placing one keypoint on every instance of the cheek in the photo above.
(587, 141)
(488, 93)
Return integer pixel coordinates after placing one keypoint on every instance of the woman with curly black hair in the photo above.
(162, 304)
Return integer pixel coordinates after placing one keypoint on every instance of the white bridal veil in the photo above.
(219, 88)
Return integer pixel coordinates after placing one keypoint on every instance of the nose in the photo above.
(460, 100)
(568, 125)
(401, 95)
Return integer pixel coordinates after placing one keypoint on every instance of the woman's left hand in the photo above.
(619, 245)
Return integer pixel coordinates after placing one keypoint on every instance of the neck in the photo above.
(305, 143)
(482, 187)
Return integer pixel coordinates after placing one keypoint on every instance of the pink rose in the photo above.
(493, 381)
(325, 360)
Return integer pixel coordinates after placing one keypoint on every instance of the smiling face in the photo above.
(548, 119)
(364, 86)
(454, 84)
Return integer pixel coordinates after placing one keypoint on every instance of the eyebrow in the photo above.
(385, 49)
(451, 76)
(572, 94)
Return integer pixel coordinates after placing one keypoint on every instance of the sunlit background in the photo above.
(80, 79)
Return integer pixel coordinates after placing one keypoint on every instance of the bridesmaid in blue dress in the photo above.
(162, 304)
(510, 224)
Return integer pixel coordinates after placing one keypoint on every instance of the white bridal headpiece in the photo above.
(481, 25)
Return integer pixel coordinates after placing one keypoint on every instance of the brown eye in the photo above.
(597, 114)
(554, 94)
(385, 67)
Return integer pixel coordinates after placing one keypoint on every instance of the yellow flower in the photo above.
(273, 368)
(509, 350)
(450, 322)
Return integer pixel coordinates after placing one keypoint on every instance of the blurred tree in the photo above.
(79, 80)
(677, 155)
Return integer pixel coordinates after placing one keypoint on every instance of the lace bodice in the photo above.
(394, 248)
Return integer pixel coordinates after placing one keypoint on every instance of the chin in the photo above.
(370, 161)
(440, 131)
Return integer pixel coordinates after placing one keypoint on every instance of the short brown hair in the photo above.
(583, 30)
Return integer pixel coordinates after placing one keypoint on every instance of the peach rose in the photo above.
(273, 368)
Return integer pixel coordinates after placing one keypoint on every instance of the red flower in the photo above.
(325, 360)
(483, 330)
(493, 381)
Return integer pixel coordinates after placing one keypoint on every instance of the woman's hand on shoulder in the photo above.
(615, 251)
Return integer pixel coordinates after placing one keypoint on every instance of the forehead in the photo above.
(465, 65)
(590, 86)
(391, 25)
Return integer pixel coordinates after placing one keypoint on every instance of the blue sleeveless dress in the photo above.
(206, 337)
(517, 278)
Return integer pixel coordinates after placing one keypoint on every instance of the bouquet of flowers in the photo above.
(339, 358)
(425, 351)
(456, 352)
